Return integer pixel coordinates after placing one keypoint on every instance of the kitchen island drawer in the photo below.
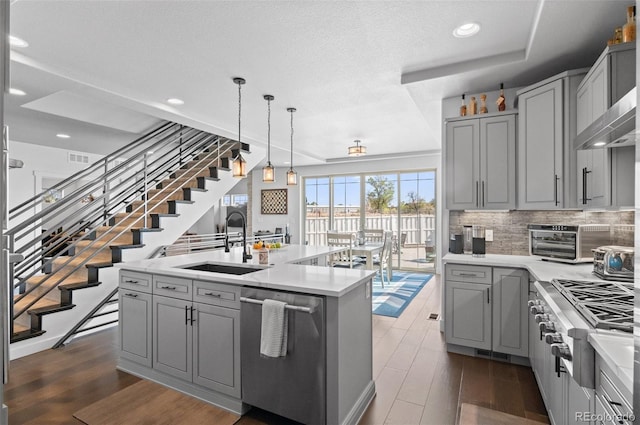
(136, 281)
(467, 273)
(220, 294)
(174, 287)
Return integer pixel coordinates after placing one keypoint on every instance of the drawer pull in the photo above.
(132, 295)
(130, 281)
(468, 274)
(213, 294)
(171, 288)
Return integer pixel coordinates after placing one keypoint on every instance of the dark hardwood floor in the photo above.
(417, 381)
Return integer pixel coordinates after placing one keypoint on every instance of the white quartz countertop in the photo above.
(541, 270)
(282, 273)
(617, 351)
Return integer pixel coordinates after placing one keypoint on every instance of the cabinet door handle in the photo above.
(186, 314)
(131, 295)
(192, 315)
(170, 288)
(614, 403)
(488, 296)
(477, 194)
(482, 193)
(130, 281)
(213, 294)
(555, 188)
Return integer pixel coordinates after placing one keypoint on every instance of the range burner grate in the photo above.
(606, 305)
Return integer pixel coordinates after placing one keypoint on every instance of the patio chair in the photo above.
(343, 258)
(384, 260)
(374, 235)
(397, 245)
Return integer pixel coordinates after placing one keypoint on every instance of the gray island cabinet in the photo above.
(182, 327)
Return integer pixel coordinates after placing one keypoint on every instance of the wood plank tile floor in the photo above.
(417, 381)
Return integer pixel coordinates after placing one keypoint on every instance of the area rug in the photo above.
(397, 294)
(146, 402)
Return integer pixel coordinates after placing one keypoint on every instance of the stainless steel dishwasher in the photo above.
(292, 386)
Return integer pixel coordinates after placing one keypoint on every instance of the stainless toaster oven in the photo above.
(567, 243)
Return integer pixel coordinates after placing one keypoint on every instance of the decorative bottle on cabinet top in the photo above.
(463, 107)
(629, 29)
(501, 102)
(473, 106)
(483, 104)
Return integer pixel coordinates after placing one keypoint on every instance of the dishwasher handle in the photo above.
(288, 306)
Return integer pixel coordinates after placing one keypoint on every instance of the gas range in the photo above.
(568, 310)
(605, 305)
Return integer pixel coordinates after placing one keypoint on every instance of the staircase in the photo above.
(169, 179)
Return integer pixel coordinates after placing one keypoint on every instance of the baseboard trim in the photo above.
(361, 405)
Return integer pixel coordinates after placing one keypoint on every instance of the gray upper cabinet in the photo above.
(546, 128)
(594, 171)
(623, 162)
(480, 162)
(610, 78)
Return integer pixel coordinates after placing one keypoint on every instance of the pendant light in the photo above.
(239, 166)
(357, 149)
(292, 176)
(268, 172)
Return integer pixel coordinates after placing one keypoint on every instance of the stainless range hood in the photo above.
(615, 128)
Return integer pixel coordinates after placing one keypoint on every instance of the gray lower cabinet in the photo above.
(134, 331)
(486, 308)
(197, 342)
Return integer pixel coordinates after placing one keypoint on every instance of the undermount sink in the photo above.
(222, 268)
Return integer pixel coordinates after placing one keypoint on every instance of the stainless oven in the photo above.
(567, 244)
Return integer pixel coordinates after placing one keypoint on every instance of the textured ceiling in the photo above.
(340, 63)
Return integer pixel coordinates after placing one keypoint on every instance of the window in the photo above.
(235, 200)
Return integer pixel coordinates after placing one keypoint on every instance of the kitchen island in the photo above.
(182, 326)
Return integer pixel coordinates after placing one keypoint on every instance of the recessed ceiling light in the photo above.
(599, 144)
(16, 92)
(63, 136)
(466, 30)
(287, 162)
(17, 42)
(175, 101)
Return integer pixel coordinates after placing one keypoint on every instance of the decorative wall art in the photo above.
(273, 201)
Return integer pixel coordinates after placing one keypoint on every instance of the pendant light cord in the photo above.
(239, 109)
(291, 140)
(269, 131)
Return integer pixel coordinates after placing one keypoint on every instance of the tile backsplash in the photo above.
(510, 234)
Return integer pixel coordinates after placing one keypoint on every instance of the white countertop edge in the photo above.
(617, 352)
(316, 280)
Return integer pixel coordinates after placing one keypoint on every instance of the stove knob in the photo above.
(561, 350)
(547, 327)
(553, 338)
(541, 318)
(531, 303)
(537, 309)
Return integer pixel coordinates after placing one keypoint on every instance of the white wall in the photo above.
(295, 207)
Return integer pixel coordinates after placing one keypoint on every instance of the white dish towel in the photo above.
(273, 332)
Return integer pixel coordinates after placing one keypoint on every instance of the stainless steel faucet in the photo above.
(245, 255)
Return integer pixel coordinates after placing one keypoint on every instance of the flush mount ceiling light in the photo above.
(466, 30)
(175, 101)
(16, 92)
(17, 42)
(357, 149)
(239, 166)
(599, 144)
(63, 136)
(292, 176)
(268, 172)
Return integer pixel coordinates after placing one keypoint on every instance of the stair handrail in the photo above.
(133, 188)
(61, 279)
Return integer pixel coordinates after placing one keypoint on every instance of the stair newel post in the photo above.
(146, 193)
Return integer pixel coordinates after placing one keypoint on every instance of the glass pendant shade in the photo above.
(292, 177)
(268, 173)
(357, 149)
(239, 167)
